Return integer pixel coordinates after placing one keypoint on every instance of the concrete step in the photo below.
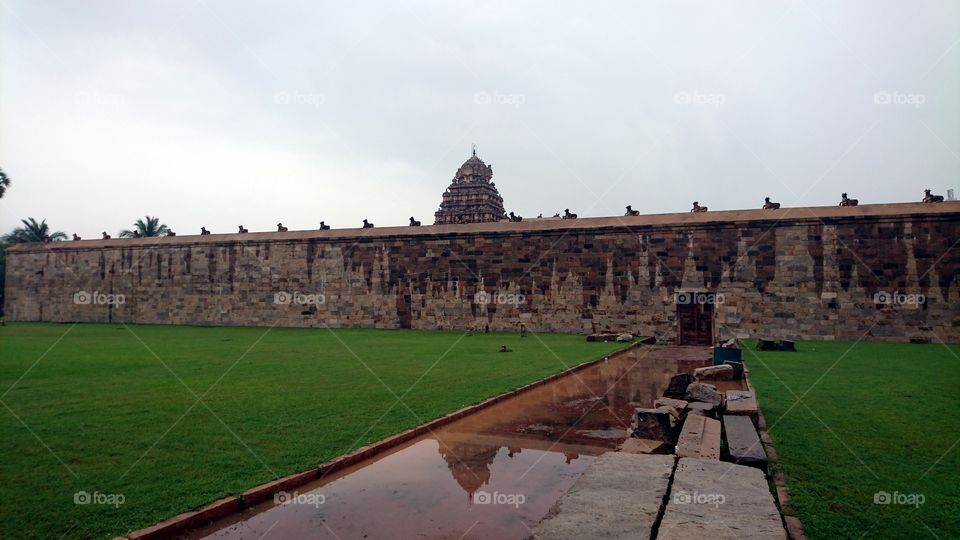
(713, 499)
(743, 442)
(699, 438)
(617, 497)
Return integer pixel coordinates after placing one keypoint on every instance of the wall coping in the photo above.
(948, 210)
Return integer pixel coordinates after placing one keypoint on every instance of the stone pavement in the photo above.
(621, 496)
(743, 443)
(700, 438)
(714, 499)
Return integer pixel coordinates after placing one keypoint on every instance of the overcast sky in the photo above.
(218, 113)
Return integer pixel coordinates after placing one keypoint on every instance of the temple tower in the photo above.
(472, 197)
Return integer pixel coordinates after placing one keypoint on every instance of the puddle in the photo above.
(493, 474)
(618, 434)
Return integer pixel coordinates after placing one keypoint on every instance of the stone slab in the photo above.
(617, 497)
(677, 388)
(703, 392)
(703, 409)
(743, 403)
(657, 424)
(633, 445)
(713, 499)
(677, 404)
(722, 372)
(699, 438)
(743, 443)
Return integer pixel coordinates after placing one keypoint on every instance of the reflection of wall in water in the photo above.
(468, 463)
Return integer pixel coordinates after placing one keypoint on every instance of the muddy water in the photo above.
(493, 474)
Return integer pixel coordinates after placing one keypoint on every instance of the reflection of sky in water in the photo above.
(534, 445)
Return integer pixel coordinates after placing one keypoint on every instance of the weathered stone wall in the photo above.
(800, 273)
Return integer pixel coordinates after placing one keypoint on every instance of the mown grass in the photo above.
(112, 410)
(850, 421)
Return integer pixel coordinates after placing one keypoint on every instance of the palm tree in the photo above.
(33, 232)
(149, 227)
(4, 183)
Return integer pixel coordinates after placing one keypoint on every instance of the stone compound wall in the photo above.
(796, 273)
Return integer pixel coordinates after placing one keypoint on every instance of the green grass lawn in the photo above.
(115, 410)
(873, 417)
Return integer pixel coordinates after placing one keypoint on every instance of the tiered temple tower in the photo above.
(472, 197)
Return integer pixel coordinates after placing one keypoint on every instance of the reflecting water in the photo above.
(493, 474)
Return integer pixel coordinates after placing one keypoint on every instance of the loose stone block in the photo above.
(602, 337)
(699, 438)
(743, 443)
(767, 345)
(741, 403)
(713, 499)
(617, 497)
(677, 388)
(722, 372)
(677, 404)
(655, 424)
(788, 345)
(737, 369)
(706, 393)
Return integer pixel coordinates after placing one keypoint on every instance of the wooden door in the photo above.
(695, 321)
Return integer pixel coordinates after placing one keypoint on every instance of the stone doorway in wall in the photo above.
(695, 317)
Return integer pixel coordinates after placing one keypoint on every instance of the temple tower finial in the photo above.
(474, 148)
